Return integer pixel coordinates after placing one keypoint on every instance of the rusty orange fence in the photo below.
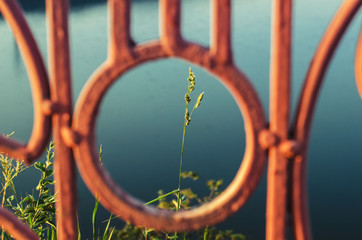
(283, 143)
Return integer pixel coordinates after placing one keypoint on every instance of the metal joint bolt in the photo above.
(49, 107)
(267, 139)
(290, 148)
(71, 138)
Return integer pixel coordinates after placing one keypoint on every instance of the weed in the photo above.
(37, 210)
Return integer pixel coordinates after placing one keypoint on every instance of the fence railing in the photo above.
(285, 144)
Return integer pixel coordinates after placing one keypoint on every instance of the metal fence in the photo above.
(285, 144)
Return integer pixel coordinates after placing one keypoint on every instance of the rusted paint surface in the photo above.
(75, 132)
(170, 31)
(280, 72)
(61, 96)
(120, 33)
(220, 44)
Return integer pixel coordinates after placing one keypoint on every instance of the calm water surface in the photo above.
(140, 123)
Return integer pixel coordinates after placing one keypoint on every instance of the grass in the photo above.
(38, 209)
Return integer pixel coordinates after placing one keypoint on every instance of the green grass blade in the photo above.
(206, 232)
(94, 219)
(162, 196)
(106, 230)
(79, 234)
(110, 235)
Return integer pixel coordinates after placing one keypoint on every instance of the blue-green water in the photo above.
(141, 119)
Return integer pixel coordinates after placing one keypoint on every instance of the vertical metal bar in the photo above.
(170, 24)
(119, 31)
(220, 47)
(60, 76)
(280, 68)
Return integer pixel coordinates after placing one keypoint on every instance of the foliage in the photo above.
(37, 210)
(188, 197)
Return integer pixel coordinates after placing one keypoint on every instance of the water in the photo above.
(140, 122)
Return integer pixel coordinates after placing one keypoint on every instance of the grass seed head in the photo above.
(199, 99)
(191, 86)
(187, 98)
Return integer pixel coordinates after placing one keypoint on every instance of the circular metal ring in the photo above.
(38, 82)
(130, 209)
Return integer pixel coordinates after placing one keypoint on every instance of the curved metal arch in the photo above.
(39, 85)
(14, 227)
(305, 110)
